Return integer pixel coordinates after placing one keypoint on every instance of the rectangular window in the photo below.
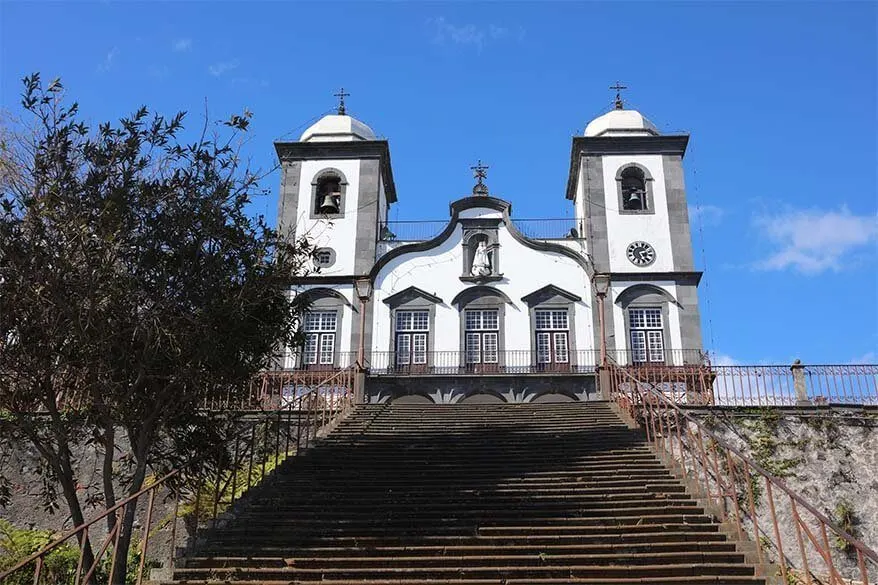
(412, 333)
(320, 329)
(482, 336)
(552, 336)
(647, 335)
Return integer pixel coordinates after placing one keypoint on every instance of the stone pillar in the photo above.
(799, 383)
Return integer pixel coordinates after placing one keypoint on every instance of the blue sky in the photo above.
(780, 100)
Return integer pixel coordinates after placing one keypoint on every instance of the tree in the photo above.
(133, 287)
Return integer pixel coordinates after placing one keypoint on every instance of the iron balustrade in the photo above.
(487, 363)
(538, 229)
(806, 546)
(289, 411)
(763, 385)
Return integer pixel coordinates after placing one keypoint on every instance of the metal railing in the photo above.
(513, 361)
(796, 385)
(538, 229)
(298, 407)
(806, 546)
(449, 363)
(551, 229)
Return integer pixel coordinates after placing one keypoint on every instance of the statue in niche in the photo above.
(481, 260)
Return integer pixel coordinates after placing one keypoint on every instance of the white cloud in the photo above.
(707, 214)
(181, 45)
(107, 63)
(217, 69)
(721, 359)
(868, 358)
(815, 241)
(470, 34)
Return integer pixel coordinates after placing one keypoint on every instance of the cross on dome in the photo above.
(341, 95)
(619, 87)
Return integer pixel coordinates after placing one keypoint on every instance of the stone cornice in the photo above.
(679, 277)
(355, 149)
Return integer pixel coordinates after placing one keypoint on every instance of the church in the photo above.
(481, 293)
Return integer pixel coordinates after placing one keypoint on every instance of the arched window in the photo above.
(635, 189)
(328, 194)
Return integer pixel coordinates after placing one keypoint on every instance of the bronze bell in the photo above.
(329, 205)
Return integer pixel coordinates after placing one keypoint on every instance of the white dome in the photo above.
(335, 128)
(621, 123)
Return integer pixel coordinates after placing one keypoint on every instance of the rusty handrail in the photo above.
(313, 421)
(74, 531)
(652, 401)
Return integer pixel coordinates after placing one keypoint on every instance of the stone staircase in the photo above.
(488, 494)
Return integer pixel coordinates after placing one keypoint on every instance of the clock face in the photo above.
(640, 253)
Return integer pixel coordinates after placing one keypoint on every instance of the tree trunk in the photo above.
(67, 480)
(109, 441)
(124, 543)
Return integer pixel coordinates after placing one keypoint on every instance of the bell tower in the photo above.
(336, 188)
(627, 184)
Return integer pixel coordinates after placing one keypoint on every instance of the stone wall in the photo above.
(829, 456)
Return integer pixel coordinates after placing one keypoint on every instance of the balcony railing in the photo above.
(538, 229)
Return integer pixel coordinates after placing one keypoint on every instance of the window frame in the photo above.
(647, 330)
(320, 336)
(412, 299)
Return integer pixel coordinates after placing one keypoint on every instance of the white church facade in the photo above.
(481, 293)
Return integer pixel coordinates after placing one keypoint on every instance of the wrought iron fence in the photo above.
(538, 229)
(294, 409)
(411, 231)
(481, 363)
(806, 546)
(551, 229)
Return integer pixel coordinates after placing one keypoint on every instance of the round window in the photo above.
(324, 257)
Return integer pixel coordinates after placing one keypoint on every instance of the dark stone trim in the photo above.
(333, 279)
(536, 296)
(401, 297)
(595, 200)
(678, 213)
(477, 201)
(366, 229)
(678, 277)
(633, 292)
(467, 295)
(481, 279)
(288, 202)
(314, 294)
(674, 144)
(359, 149)
(690, 317)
